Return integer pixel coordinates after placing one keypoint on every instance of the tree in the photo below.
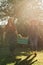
(8, 7)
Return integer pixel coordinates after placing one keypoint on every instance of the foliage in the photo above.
(7, 7)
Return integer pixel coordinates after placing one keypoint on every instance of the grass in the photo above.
(39, 58)
(20, 53)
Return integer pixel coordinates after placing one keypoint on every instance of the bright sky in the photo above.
(3, 22)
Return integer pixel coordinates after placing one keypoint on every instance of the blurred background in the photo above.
(28, 20)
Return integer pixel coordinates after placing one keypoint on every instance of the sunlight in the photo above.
(4, 22)
(29, 10)
(40, 3)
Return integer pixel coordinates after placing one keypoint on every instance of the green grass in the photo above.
(20, 53)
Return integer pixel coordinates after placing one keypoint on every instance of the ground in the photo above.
(39, 58)
(20, 53)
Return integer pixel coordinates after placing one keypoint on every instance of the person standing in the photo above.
(10, 33)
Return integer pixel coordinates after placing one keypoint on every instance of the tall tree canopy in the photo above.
(22, 9)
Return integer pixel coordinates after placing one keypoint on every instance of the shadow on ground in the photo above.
(13, 59)
(8, 59)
